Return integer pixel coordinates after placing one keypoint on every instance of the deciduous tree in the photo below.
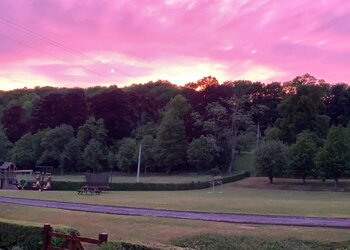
(202, 152)
(303, 154)
(271, 159)
(5, 146)
(126, 157)
(333, 160)
(92, 129)
(71, 157)
(95, 156)
(54, 143)
(171, 142)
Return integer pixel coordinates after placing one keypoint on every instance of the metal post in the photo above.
(139, 164)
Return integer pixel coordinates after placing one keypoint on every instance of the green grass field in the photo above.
(161, 230)
(245, 162)
(149, 230)
(233, 199)
(251, 195)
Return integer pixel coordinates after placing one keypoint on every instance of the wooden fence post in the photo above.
(46, 236)
(102, 238)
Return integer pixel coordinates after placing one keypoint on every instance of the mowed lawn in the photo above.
(151, 178)
(233, 199)
(156, 230)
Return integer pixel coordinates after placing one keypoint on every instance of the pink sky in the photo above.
(87, 43)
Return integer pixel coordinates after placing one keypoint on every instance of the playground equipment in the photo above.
(41, 174)
(9, 176)
(38, 184)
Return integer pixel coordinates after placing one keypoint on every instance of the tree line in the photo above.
(201, 126)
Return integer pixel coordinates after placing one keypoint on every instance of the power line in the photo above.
(52, 55)
(50, 41)
(45, 39)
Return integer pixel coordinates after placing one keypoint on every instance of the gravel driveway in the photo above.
(204, 216)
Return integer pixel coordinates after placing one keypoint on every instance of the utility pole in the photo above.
(139, 164)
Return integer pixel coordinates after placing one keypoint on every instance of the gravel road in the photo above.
(190, 215)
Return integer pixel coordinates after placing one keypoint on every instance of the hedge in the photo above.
(72, 186)
(25, 236)
(232, 242)
(126, 246)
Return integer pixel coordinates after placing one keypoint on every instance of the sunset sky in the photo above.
(87, 43)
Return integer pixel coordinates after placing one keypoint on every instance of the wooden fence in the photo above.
(71, 241)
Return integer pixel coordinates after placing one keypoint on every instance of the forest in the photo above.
(298, 128)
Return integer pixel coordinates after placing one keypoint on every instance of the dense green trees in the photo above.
(148, 157)
(126, 157)
(201, 153)
(24, 153)
(12, 122)
(193, 128)
(71, 157)
(171, 142)
(302, 110)
(92, 129)
(171, 136)
(5, 146)
(95, 156)
(54, 143)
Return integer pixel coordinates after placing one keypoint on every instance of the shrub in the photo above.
(72, 186)
(58, 241)
(27, 237)
(222, 242)
(125, 246)
(24, 236)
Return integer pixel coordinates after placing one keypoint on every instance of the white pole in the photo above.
(139, 164)
(258, 136)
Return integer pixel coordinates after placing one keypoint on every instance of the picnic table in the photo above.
(89, 189)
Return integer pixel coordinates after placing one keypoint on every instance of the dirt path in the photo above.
(205, 216)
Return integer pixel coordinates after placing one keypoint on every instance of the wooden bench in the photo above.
(89, 189)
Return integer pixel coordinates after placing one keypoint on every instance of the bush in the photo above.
(72, 186)
(24, 236)
(235, 177)
(125, 246)
(27, 237)
(222, 242)
(58, 241)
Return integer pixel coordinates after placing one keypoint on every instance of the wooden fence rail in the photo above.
(71, 241)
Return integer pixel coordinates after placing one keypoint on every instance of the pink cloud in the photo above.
(262, 40)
